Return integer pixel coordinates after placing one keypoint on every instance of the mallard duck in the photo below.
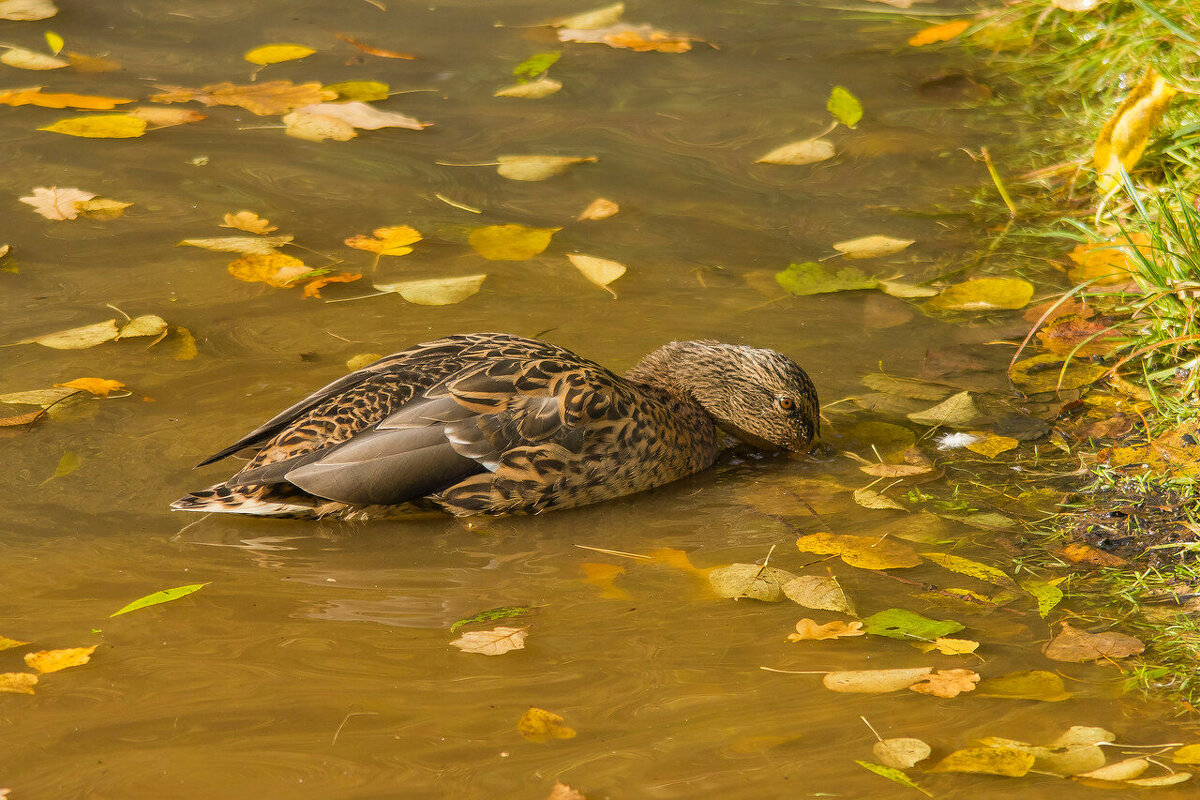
(490, 423)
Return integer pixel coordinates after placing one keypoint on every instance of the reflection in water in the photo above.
(316, 663)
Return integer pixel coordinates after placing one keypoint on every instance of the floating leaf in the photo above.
(806, 151)
(599, 271)
(537, 168)
(18, 682)
(21, 58)
(158, 117)
(102, 126)
(247, 221)
(957, 411)
(1045, 373)
(1034, 684)
(533, 90)
(596, 18)
(393, 240)
(101, 387)
(510, 242)
(1124, 770)
(813, 278)
(867, 552)
(36, 97)
(809, 630)
(364, 91)
(27, 11)
(892, 774)
(874, 681)
(492, 643)
(1008, 761)
(540, 725)
(844, 106)
(983, 294)
(77, 338)
(600, 208)
(247, 245)
(1046, 593)
(55, 203)
(818, 592)
(272, 97)
(374, 51)
(54, 660)
(535, 65)
(753, 581)
(939, 33)
(317, 127)
(275, 53)
(313, 288)
(966, 566)
(1188, 754)
(102, 208)
(901, 753)
(1162, 780)
(1073, 644)
(7, 644)
(492, 614)
(899, 623)
(947, 683)
(435, 291)
(145, 325)
(360, 115)
(1124, 137)
(163, 596)
(274, 269)
(907, 290)
(871, 246)
(640, 38)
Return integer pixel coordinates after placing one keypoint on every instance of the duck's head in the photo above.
(760, 396)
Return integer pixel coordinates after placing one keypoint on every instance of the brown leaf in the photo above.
(809, 630)
(1076, 336)
(947, 683)
(22, 419)
(641, 38)
(373, 51)
(600, 208)
(1080, 553)
(263, 99)
(1072, 644)
(495, 642)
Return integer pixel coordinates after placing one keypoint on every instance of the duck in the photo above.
(497, 424)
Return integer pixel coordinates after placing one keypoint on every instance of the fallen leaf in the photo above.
(1108, 263)
(101, 387)
(949, 647)
(983, 294)
(247, 245)
(18, 420)
(274, 269)
(965, 566)
(145, 325)
(892, 774)
(809, 630)
(27, 11)
(895, 470)
(1034, 684)
(906, 387)
(845, 107)
(313, 288)
(492, 643)
(874, 681)
(603, 577)
(1046, 593)
(56, 203)
(375, 51)
(1162, 780)
(1008, 761)
(806, 151)
(102, 126)
(263, 99)
(991, 445)
(54, 42)
(1073, 644)
(360, 115)
(101, 208)
(435, 291)
(7, 644)
(21, 58)
(249, 222)
(939, 33)
(753, 581)
(1124, 770)
(18, 682)
(157, 117)
(365, 91)
(393, 240)
(640, 38)
(866, 552)
(590, 20)
(68, 463)
(38, 397)
(510, 242)
(276, 53)
(54, 660)
(361, 360)
(871, 246)
(1188, 754)
(90, 64)
(677, 559)
(1076, 5)
(600, 208)
(813, 278)
(1124, 137)
(818, 592)
(36, 97)
(958, 411)
(537, 168)
(560, 791)
(906, 291)
(317, 127)
(1046, 373)
(947, 683)
(159, 597)
(599, 271)
(540, 725)
(899, 623)
(869, 498)
(531, 90)
(901, 753)
(77, 338)
(186, 348)
(1075, 336)
(1080, 553)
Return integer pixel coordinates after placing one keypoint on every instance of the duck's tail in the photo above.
(259, 500)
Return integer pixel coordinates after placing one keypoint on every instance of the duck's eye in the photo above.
(786, 403)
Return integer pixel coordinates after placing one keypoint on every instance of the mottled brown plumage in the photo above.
(492, 423)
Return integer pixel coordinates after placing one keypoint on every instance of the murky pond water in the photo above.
(316, 663)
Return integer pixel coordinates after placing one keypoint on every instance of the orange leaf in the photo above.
(313, 287)
(809, 630)
(602, 576)
(264, 99)
(1107, 263)
(35, 97)
(947, 683)
(374, 51)
(939, 33)
(247, 221)
(97, 386)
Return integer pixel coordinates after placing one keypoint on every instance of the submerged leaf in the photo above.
(1073, 644)
(274, 269)
(600, 208)
(899, 623)
(753, 581)
(866, 552)
(983, 294)
(966, 566)
(818, 592)
(947, 683)
(590, 20)
(844, 106)
(145, 325)
(1046, 593)
(101, 387)
(874, 681)
(77, 338)
(36, 97)
(813, 278)
(806, 151)
(537, 168)
(539, 725)
(365, 91)
(640, 38)
(393, 240)
(510, 242)
(313, 287)
(317, 127)
(492, 614)
(1008, 761)
(531, 90)
(901, 753)
(1045, 373)
(18, 682)
(957, 411)
(360, 115)
(1034, 684)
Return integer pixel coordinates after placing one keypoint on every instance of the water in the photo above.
(316, 662)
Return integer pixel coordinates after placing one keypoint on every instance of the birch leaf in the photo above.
(510, 242)
(753, 581)
(901, 753)
(818, 592)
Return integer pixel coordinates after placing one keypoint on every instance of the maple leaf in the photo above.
(56, 203)
(947, 683)
(248, 221)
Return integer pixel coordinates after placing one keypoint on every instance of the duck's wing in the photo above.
(401, 433)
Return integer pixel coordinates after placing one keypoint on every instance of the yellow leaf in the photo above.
(247, 221)
(313, 287)
(495, 642)
(317, 127)
(7, 643)
(18, 682)
(145, 325)
(361, 360)
(992, 445)
(1107, 263)
(272, 97)
(600, 208)
(36, 97)
(275, 53)
(435, 291)
(1045, 373)
(54, 660)
(538, 725)
(103, 126)
(533, 90)
(102, 208)
(537, 168)
(1008, 761)
(510, 242)
(809, 630)
(590, 20)
(366, 91)
(274, 269)
(21, 58)
(389, 241)
(871, 246)
(1125, 136)
(100, 387)
(55, 42)
(603, 576)
(869, 498)
(239, 244)
(77, 338)
(599, 271)
(185, 349)
(948, 646)
(939, 33)
(640, 38)
(867, 552)
(983, 294)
